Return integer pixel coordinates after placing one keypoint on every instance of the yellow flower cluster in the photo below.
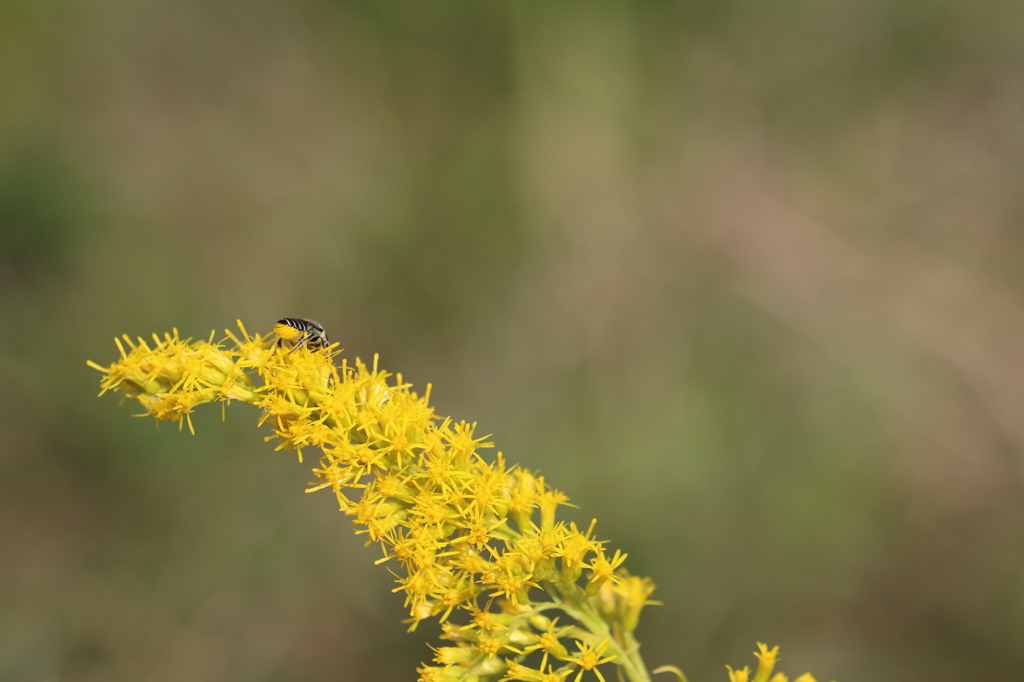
(471, 537)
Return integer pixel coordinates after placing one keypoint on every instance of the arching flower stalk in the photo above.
(472, 541)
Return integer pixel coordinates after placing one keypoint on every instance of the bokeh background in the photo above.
(746, 280)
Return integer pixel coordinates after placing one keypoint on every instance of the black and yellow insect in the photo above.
(299, 332)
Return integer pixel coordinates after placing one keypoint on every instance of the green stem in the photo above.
(627, 653)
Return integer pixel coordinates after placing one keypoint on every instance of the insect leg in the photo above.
(301, 342)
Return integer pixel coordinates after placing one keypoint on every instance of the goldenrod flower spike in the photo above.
(467, 536)
(468, 539)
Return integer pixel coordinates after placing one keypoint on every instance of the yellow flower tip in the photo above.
(492, 645)
(518, 671)
(806, 677)
(767, 658)
(590, 655)
(431, 673)
(449, 655)
(779, 677)
(739, 675)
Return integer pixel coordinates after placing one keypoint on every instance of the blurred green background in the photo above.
(746, 280)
